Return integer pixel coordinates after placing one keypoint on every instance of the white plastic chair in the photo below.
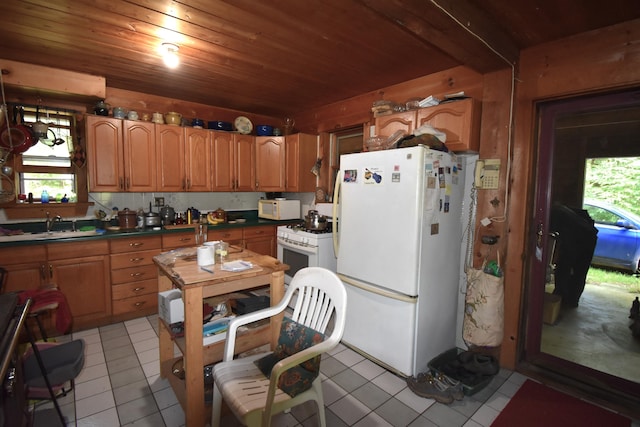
(250, 395)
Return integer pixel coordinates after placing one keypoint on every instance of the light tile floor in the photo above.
(120, 386)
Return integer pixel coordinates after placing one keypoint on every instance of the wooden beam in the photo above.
(448, 25)
(45, 80)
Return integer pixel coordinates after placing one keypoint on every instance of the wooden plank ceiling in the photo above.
(278, 57)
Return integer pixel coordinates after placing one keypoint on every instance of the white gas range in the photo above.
(299, 248)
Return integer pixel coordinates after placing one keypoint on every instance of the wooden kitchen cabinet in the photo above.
(459, 120)
(120, 155)
(26, 267)
(260, 239)
(270, 163)
(134, 276)
(170, 169)
(105, 153)
(301, 153)
(139, 156)
(198, 159)
(233, 161)
(390, 124)
(81, 272)
(233, 236)
(182, 239)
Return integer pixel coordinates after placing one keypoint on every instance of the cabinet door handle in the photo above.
(136, 274)
(136, 244)
(139, 304)
(43, 274)
(185, 239)
(136, 259)
(128, 183)
(50, 271)
(138, 289)
(188, 184)
(121, 185)
(184, 184)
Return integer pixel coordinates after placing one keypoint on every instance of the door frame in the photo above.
(547, 112)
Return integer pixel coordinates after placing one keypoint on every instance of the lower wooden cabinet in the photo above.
(261, 239)
(134, 276)
(81, 271)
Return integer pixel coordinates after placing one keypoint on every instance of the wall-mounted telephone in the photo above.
(488, 174)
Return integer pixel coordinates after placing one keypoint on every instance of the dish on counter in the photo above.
(241, 220)
(113, 228)
(243, 125)
(231, 222)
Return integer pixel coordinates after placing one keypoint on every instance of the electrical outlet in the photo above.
(159, 201)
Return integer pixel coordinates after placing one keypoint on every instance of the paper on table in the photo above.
(237, 265)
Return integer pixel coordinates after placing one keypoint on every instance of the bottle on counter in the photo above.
(44, 197)
(179, 219)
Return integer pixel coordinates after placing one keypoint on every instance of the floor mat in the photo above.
(537, 405)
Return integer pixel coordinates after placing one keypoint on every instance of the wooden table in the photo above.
(178, 269)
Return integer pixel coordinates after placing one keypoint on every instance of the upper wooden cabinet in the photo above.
(170, 169)
(105, 160)
(301, 153)
(270, 163)
(198, 159)
(139, 156)
(233, 161)
(459, 120)
(390, 124)
(120, 155)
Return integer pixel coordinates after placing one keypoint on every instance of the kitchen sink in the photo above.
(63, 234)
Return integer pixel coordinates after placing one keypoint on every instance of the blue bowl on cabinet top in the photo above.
(219, 125)
(264, 130)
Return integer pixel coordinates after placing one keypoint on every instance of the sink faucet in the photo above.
(49, 221)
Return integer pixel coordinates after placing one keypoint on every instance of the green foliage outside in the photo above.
(615, 180)
(630, 282)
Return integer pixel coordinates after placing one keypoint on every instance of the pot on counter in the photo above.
(127, 219)
(151, 218)
(167, 215)
(314, 221)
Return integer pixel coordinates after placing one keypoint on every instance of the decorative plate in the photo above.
(243, 125)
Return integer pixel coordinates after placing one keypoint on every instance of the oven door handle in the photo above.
(336, 201)
(297, 248)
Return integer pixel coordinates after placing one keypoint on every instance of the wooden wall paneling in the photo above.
(494, 144)
(357, 110)
(149, 103)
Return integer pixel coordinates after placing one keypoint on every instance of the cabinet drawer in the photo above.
(178, 240)
(134, 274)
(134, 244)
(70, 250)
(262, 231)
(232, 234)
(133, 290)
(23, 254)
(131, 305)
(133, 259)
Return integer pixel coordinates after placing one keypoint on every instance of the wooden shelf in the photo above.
(39, 210)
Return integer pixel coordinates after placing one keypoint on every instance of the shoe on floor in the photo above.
(426, 385)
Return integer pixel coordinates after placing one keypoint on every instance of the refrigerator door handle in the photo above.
(378, 291)
(336, 201)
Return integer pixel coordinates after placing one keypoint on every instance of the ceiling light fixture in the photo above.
(170, 55)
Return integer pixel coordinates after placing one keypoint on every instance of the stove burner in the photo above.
(301, 227)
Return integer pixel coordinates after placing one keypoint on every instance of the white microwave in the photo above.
(279, 209)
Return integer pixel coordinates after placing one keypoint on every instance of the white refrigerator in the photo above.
(398, 241)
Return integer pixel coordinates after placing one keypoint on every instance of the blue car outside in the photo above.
(618, 244)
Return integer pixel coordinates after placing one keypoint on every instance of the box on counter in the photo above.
(170, 306)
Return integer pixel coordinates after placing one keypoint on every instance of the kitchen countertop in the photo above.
(36, 238)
